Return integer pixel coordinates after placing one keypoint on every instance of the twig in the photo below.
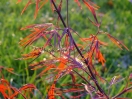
(124, 91)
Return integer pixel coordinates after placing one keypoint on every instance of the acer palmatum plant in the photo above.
(66, 56)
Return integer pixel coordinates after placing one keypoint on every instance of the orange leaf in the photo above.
(29, 2)
(18, 1)
(44, 2)
(36, 9)
(38, 31)
(3, 89)
(33, 54)
(51, 92)
(101, 58)
(19, 91)
(45, 70)
(62, 64)
(92, 9)
(78, 3)
(117, 42)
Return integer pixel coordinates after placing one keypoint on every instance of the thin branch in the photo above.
(124, 91)
(67, 14)
(82, 77)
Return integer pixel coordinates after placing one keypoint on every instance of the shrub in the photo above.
(64, 56)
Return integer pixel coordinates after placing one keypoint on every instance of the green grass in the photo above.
(117, 20)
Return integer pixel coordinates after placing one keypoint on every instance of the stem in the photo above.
(67, 13)
(82, 77)
(86, 62)
(58, 13)
(124, 91)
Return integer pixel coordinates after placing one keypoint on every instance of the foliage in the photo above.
(108, 55)
(10, 92)
(68, 56)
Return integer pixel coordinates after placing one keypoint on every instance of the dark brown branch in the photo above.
(86, 62)
(124, 91)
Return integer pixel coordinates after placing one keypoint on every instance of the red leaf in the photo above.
(37, 8)
(117, 42)
(29, 2)
(3, 90)
(73, 78)
(78, 3)
(46, 69)
(51, 93)
(91, 8)
(38, 31)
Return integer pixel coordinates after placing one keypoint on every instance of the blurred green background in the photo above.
(116, 20)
